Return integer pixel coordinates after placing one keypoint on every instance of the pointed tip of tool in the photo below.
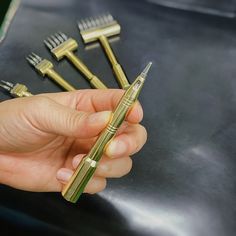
(146, 69)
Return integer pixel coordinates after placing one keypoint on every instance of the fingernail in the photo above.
(99, 117)
(64, 174)
(116, 148)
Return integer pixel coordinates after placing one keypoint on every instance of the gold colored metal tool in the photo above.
(16, 90)
(61, 46)
(45, 67)
(99, 28)
(75, 187)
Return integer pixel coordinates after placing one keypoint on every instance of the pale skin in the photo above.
(43, 138)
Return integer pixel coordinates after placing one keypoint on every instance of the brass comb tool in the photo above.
(61, 46)
(16, 90)
(84, 172)
(100, 28)
(45, 67)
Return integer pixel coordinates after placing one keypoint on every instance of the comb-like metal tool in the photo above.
(100, 28)
(16, 90)
(45, 67)
(61, 46)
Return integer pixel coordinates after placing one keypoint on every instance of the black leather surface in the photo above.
(183, 181)
(225, 8)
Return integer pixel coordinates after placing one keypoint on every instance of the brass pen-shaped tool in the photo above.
(100, 28)
(75, 187)
(45, 67)
(16, 90)
(61, 46)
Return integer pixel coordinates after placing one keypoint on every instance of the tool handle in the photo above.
(97, 83)
(106, 45)
(27, 94)
(59, 80)
(75, 187)
(120, 75)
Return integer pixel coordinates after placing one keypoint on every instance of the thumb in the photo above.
(51, 117)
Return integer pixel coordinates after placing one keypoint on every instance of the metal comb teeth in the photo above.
(94, 22)
(55, 40)
(6, 85)
(34, 59)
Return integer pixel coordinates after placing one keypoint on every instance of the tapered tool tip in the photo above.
(146, 69)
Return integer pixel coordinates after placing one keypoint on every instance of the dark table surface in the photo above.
(183, 181)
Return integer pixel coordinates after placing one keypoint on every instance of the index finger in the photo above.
(95, 100)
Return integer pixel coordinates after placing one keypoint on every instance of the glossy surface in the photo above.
(183, 181)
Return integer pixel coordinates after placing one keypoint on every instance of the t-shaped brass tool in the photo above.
(61, 46)
(84, 172)
(99, 28)
(45, 67)
(16, 90)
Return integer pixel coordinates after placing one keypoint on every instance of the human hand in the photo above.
(43, 138)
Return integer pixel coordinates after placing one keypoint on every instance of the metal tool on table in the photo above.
(16, 90)
(61, 46)
(45, 67)
(84, 172)
(100, 28)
